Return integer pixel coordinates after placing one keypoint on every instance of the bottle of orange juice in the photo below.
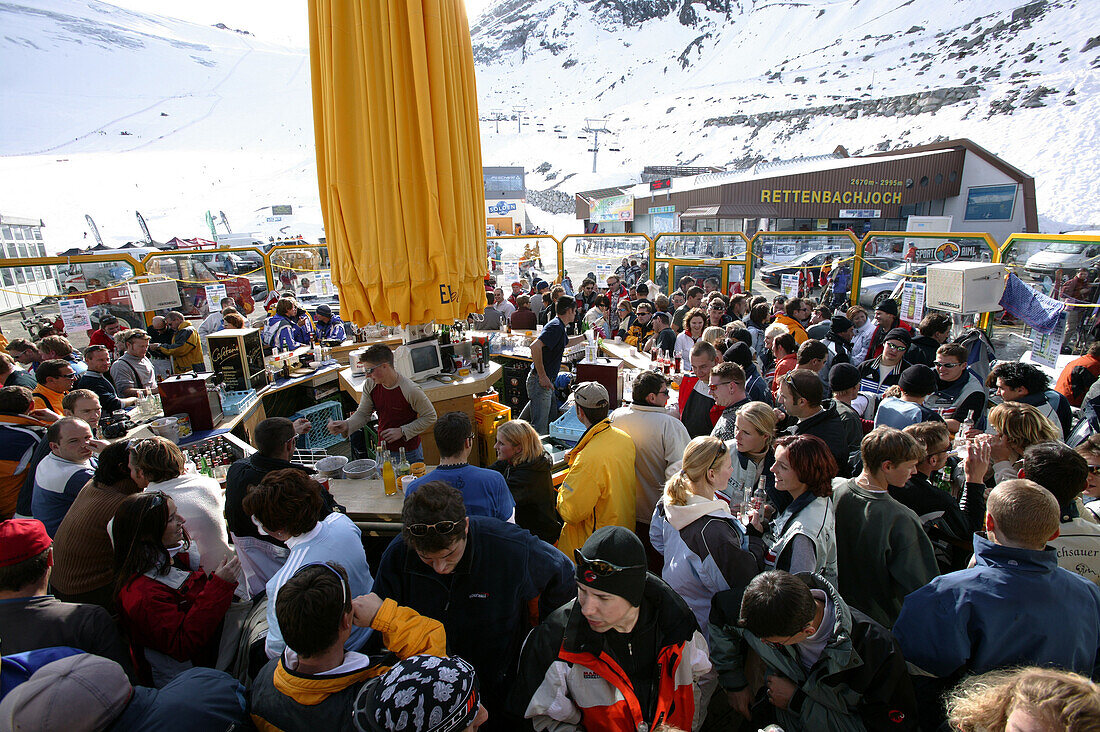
(389, 475)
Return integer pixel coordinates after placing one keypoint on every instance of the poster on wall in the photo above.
(912, 301)
(74, 314)
(214, 295)
(1045, 347)
(613, 208)
(603, 271)
(789, 285)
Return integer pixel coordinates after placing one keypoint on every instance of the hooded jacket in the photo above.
(569, 681)
(20, 435)
(922, 350)
(284, 699)
(860, 682)
(796, 328)
(828, 425)
(600, 488)
(532, 488)
(1013, 607)
(705, 550)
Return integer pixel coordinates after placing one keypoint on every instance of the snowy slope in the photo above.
(215, 119)
(658, 71)
(122, 111)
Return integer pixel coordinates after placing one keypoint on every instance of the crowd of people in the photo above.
(843, 523)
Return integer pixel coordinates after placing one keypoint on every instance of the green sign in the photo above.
(662, 209)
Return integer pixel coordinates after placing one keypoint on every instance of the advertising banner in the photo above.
(614, 208)
(789, 285)
(1045, 347)
(912, 301)
(214, 295)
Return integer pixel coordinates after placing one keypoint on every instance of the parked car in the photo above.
(772, 275)
(873, 290)
(1068, 256)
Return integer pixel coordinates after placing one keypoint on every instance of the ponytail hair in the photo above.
(700, 455)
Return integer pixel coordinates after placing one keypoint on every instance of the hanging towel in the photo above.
(1029, 305)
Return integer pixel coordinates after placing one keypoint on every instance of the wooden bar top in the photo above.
(366, 500)
(434, 390)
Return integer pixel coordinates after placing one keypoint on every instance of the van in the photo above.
(1068, 256)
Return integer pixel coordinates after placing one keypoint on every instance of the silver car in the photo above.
(873, 290)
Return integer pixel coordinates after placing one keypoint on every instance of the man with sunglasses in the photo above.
(960, 394)
(880, 373)
(887, 320)
(815, 647)
(404, 410)
(479, 576)
(625, 625)
(55, 379)
(727, 385)
(641, 328)
(659, 441)
(796, 312)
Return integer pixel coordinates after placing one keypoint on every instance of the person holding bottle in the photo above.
(802, 538)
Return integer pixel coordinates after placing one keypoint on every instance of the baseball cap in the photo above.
(81, 693)
(22, 539)
(591, 394)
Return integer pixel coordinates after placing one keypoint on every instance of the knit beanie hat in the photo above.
(888, 306)
(613, 560)
(419, 694)
(840, 324)
(899, 334)
(739, 354)
(843, 376)
(917, 380)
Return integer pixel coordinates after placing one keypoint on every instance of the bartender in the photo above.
(404, 410)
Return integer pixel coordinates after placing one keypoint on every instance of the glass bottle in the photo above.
(389, 475)
(403, 467)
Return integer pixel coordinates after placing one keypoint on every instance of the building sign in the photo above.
(660, 185)
(830, 197)
(501, 208)
(614, 208)
(860, 213)
(990, 203)
(663, 222)
(285, 210)
(662, 209)
(948, 251)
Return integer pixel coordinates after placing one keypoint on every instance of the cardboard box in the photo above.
(965, 287)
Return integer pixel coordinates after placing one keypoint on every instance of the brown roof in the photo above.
(731, 210)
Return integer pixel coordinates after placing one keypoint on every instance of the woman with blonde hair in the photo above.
(705, 549)
(523, 462)
(753, 452)
(1017, 427)
(714, 333)
(1032, 699)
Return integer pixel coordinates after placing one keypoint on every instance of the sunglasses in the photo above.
(1094, 469)
(714, 387)
(344, 588)
(941, 365)
(440, 527)
(70, 375)
(599, 567)
(900, 349)
(664, 392)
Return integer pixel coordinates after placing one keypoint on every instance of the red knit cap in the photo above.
(22, 539)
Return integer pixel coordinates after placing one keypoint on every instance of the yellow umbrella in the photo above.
(399, 158)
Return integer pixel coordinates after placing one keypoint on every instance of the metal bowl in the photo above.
(332, 466)
(359, 469)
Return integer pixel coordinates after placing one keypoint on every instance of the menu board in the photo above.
(789, 285)
(238, 356)
(74, 314)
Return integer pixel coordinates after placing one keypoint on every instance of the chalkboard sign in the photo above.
(238, 356)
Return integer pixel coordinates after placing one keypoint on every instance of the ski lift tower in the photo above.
(594, 127)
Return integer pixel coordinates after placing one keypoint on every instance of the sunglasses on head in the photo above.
(439, 527)
(599, 567)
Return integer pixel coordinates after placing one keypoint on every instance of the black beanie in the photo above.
(739, 354)
(840, 324)
(888, 306)
(899, 334)
(619, 546)
(917, 380)
(843, 376)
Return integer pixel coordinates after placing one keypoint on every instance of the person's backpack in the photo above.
(1080, 381)
(979, 352)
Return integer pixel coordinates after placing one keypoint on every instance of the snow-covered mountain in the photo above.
(109, 110)
(730, 82)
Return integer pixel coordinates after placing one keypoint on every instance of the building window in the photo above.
(8, 279)
(20, 278)
(37, 233)
(18, 231)
(935, 208)
(924, 181)
(41, 250)
(990, 203)
(908, 182)
(939, 178)
(11, 251)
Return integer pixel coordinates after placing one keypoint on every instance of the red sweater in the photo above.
(179, 623)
